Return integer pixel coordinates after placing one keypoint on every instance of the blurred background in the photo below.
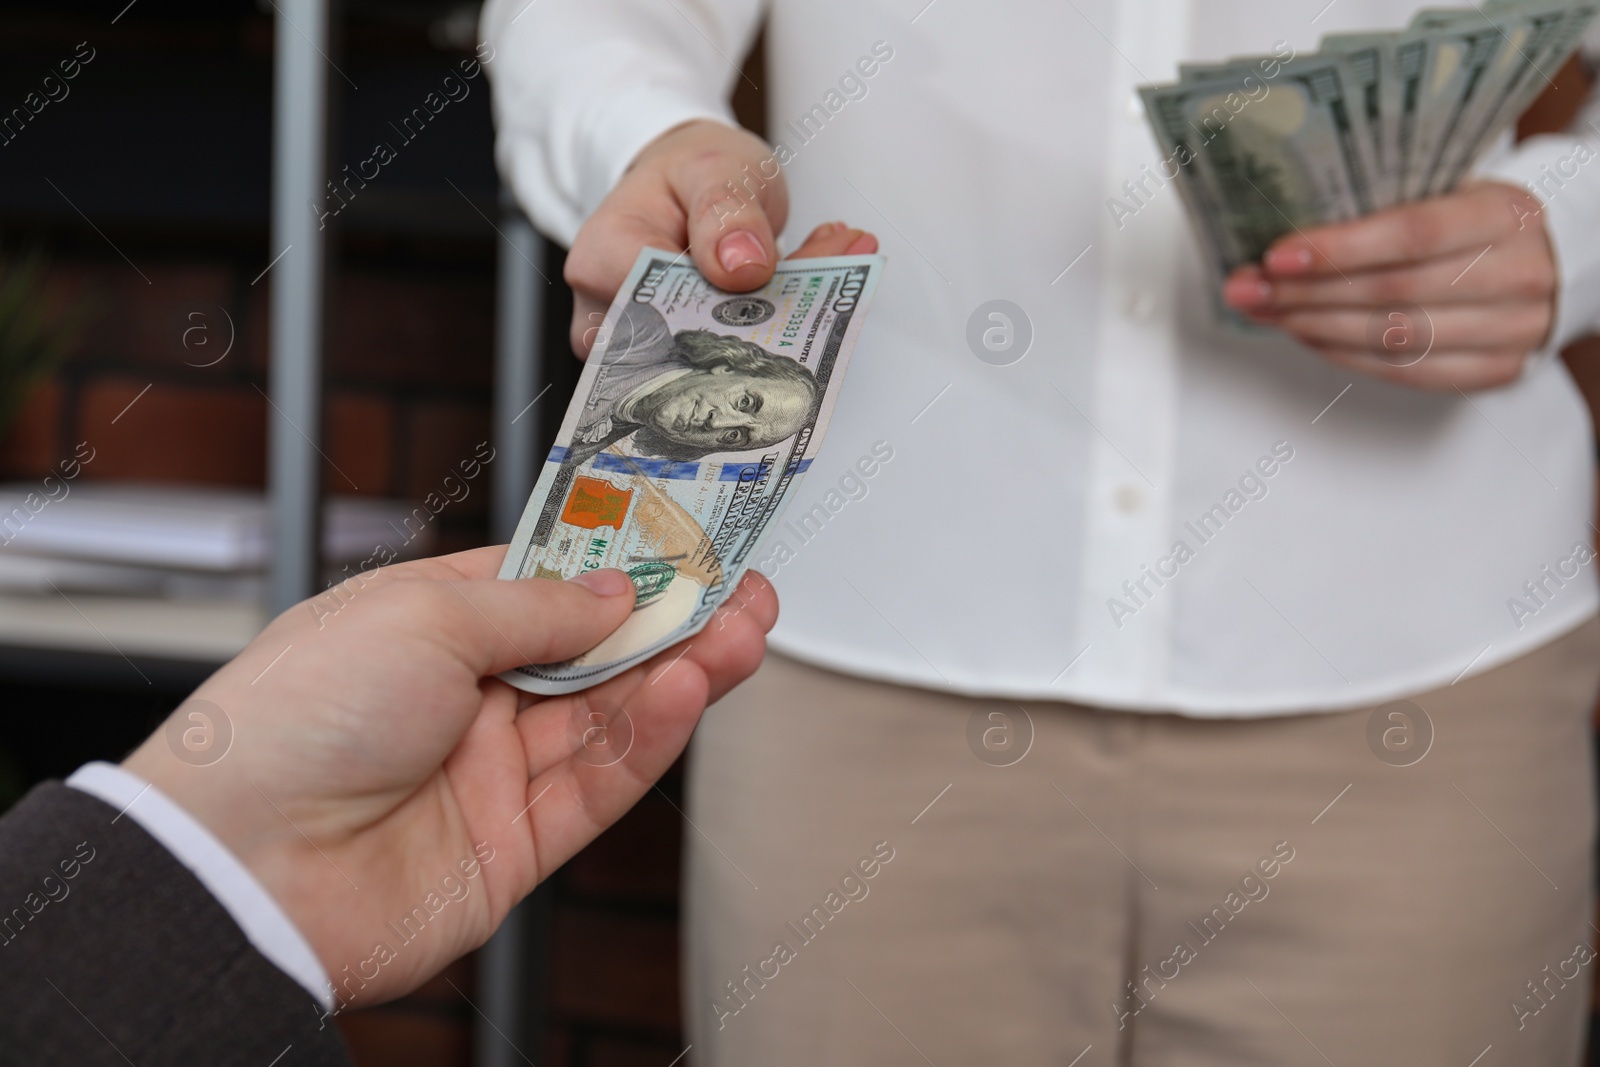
(138, 267)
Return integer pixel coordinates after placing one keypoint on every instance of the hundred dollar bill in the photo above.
(1372, 62)
(1540, 42)
(1434, 90)
(1410, 64)
(1547, 36)
(696, 415)
(1468, 42)
(1257, 163)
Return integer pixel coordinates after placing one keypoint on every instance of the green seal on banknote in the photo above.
(650, 580)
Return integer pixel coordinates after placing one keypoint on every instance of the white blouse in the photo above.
(1101, 495)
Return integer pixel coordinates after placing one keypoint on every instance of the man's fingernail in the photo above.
(740, 249)
(1289, 259)
(605, 583)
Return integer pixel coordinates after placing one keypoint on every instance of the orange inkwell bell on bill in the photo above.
(594, 503)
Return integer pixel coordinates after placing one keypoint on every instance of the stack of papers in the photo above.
(179, 542)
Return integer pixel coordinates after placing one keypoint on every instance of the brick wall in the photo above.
(614, 958)
(408, 366)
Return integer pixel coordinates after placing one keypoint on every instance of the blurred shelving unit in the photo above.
(215, 138)
(117, 638)
(217, 126)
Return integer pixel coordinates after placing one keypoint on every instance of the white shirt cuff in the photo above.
(272, 932)
(611, 144)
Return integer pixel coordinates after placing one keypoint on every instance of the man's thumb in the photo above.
(497, 625)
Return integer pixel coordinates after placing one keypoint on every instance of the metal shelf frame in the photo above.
(508, 1009)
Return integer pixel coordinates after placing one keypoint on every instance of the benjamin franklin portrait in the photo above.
(687, 395)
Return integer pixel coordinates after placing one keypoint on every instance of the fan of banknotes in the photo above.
(1263, 145)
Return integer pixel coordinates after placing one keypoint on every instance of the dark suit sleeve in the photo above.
(112, 952)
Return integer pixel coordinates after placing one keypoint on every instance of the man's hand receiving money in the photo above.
(1477, 263)
(711, 188)
(377, 768)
